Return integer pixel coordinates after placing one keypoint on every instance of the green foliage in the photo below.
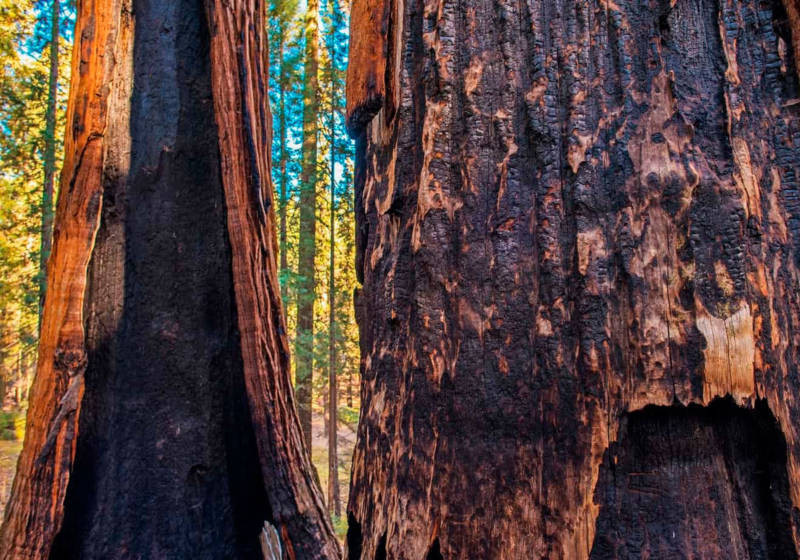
(12, 425)
(24, 74)
(286, 77)
(287, 51)
(340, 526)
(348, 415)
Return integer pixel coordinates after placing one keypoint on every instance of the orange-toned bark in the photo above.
(239, 77)
(36, 505)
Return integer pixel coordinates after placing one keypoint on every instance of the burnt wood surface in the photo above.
(568, 212)
(188, 439)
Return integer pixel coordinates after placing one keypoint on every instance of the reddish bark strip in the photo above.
(578, 209)
(35, 508)
(239, 68)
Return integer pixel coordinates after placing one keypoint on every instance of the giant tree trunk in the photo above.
(162, 422)
(579, 239)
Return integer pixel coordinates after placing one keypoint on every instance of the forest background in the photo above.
(312, 176)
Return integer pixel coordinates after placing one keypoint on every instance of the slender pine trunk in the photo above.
(333, 463)
(284, 198)
(304, 343)
(49, 156)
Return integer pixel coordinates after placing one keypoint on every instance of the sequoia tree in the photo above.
(162, 422)
(579, 242)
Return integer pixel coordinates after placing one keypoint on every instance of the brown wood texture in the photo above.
(35, 509)
(163, 306)
(569, 213)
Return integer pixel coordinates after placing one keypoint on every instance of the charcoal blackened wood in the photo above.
(567, 212)
(721, 467)
(163, 327)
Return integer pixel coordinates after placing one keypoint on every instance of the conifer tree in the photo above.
(307, 277)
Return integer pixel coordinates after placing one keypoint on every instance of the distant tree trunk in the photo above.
(307, 282)
(579, 239)
(334, 504)
(49, 155)
(284, 194)
(162, 421)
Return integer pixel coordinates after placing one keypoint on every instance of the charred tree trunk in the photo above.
(579, 241)
(162, 420)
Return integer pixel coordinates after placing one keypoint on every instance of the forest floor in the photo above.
(9, 451)
(319, 456)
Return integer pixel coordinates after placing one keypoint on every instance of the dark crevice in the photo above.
(380, 554)
(435, 553)
(682, 477)
(354, 537)
(362, 226)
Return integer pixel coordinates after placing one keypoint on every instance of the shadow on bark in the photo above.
(354, 537)
(698, 482)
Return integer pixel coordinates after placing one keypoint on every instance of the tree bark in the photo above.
(307, 282)
(48, 187)
(162, 420)
(579, 238)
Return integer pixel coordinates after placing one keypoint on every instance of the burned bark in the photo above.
(163, 369)
(569, 212)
